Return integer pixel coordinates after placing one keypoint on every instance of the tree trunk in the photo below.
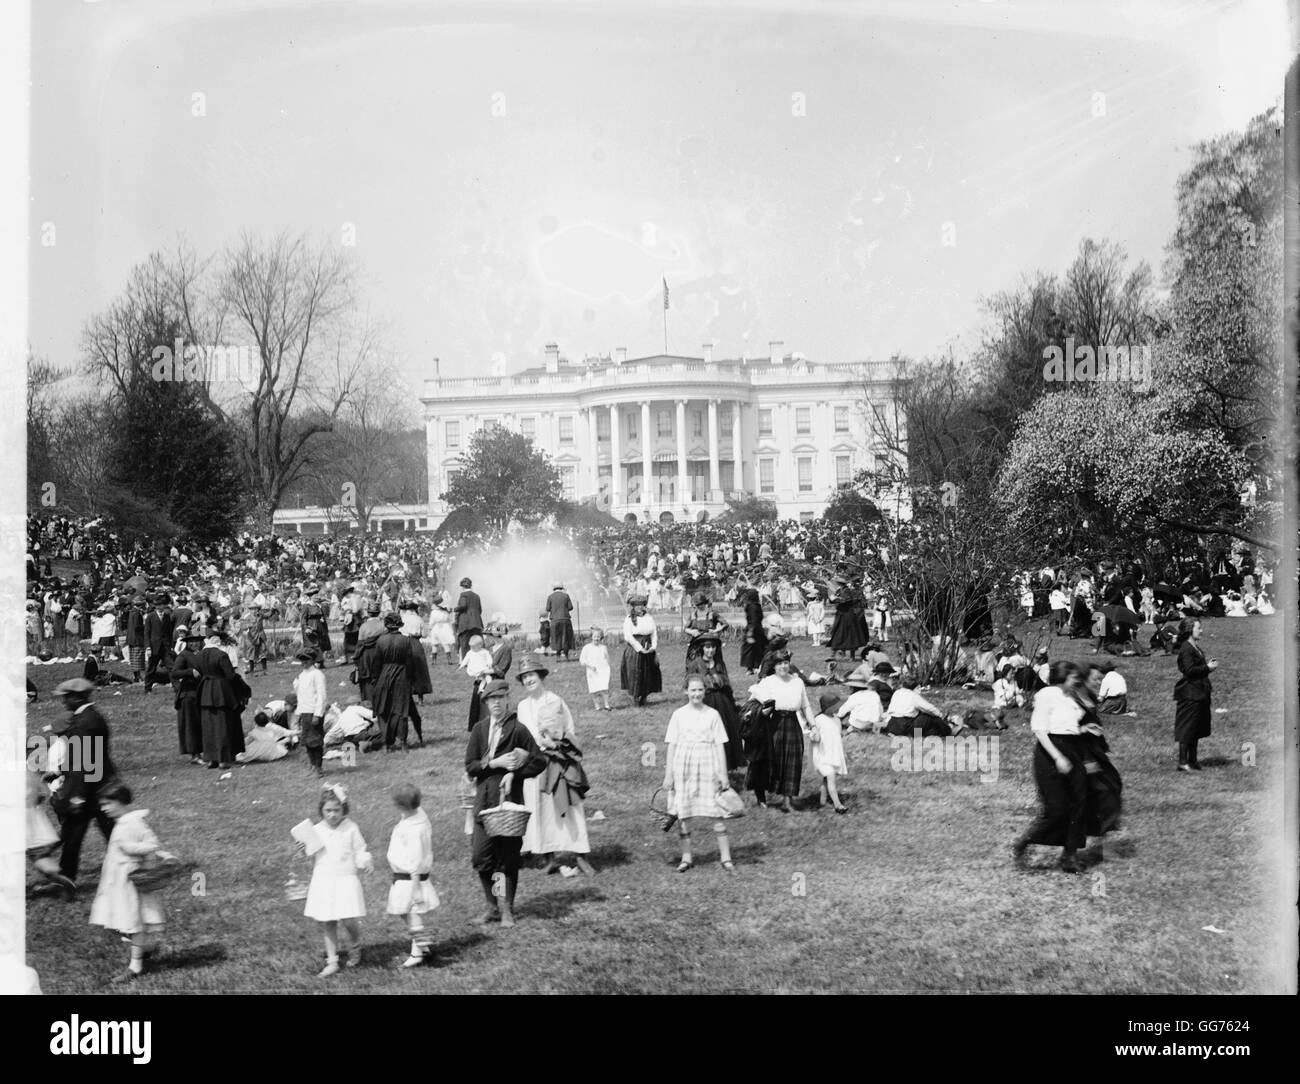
(263, 513)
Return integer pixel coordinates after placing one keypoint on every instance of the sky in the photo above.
(849, 179)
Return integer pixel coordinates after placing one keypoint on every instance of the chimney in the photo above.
(778, 349)
(552, 358)
(708, 353)
(620, 355)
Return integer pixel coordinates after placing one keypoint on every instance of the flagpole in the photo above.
(665, 315)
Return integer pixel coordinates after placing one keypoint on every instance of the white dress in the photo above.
(828, 754)
(410, 850)
(548, 719)
(335, 889)
(118, 905)
(595, 660)
(697, 737)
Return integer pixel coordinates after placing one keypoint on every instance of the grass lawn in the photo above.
(913, 892)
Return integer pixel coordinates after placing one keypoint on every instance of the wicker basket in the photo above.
(660, 806)
(155, 873)
(506, 819)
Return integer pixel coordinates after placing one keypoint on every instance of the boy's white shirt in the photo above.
(1112, 684)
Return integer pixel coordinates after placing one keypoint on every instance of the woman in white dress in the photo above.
(792, 718)
(441, 633)
(695, 770)
(552, 831)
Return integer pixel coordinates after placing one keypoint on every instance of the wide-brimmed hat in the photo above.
(884, 668)
(529, 665)
(857, 683)
(831, 700)
(308, 654)
(495, 687)
(372, 607)
(637, 600)
(708, 638)
(701, 599)
(781, 655)
(74, 687)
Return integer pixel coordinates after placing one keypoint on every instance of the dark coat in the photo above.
(1195, 682)
(88, 729)
(158, 629)
(135, 628)
(391, 666)
(559, 606)
(219, 685)
(487, 781)
(469, 613)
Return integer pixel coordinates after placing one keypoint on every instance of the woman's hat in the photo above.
(466, 582)
(372, 607)
(495, 687)
(701, 599)
(884, 668)
(831, 701)
(637, 600)
(708, 638)
(781, 655)
(857, 683)
(308, 654)
(392, 621)
(529, 665)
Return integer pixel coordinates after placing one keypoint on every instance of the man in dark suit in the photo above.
(158, 633)
(182, 614)
(86, 770)
(500, 749)
(469, 616)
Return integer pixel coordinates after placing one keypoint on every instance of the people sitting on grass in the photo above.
(909, 711)
(862, 711)
(1112, 696)
(265, 742)
(1007, 694)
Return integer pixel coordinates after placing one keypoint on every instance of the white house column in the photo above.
(715, 469)
(683, 482)
(645, 453)
(737, 471)
(615, 460)
(593, 449)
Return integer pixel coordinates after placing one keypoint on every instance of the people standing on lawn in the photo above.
(754, 645)
(1191, 694)
(158, 634)
(791, 720)
(695, 771)
(185, 689)
(595, 661)
(312, 695)
(558, 825)
(703, 621)
(828, 749)
(335, 894)
(87, 771)
(718, 694)
(410, 860)
(559, 608)
(477, 663)
(500, 755)
(469, 616)
(392, 671)
(849, 632)
(640, 672)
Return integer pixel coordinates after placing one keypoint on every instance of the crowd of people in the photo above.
(200, 621)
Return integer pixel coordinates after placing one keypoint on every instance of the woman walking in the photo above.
(849, 630)
(222, 696)
(792, 719)
(755, 645)
(718, 695)
(1191, 694)
(1059, 769)
(641, 675)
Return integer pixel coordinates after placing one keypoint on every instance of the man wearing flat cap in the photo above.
(559, 608)
(469, 616)
(87, 770)
(500, 755)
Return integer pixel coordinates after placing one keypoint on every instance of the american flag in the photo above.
(665, 292)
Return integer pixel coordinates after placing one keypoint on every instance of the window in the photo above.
(665, 423)
(843, 471)
(805, 473)
(452, 474)
(566, 428)
(528, 426)
(631, 426)
(602, 425)
(841, 419)
(765, 422)
(452, 432)
(767, 476)
(489, 422)
(724, 419)
(697, 422)
(569, 483)
(803, 420)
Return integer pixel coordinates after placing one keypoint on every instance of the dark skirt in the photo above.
(1105, 787)
(223, 735)
(751, 655)
(641, 675)
(1191, 720)
(421, 681)
(1062, 822)
(562, 636)
(476, 709)
(785, 772)
(849, 632)
(189, 728)
(721, 701)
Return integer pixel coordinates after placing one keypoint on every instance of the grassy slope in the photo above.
(913, 892)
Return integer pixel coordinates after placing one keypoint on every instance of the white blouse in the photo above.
(642, 626)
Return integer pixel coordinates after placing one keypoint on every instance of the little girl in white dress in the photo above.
(335, 893)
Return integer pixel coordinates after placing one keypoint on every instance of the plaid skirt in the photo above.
(136, 657)
(786, 768)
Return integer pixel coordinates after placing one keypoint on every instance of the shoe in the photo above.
(1194, 766)
(126, 977)
(414, 960)
(1071, 864)
(1018, 854)
(331, 968)
(354, 956)
(507, 919)
(684, 865)
(841, 809)
(729, 866)
(1184, 768)
(486, 918)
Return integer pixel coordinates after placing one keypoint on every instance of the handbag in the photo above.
(731, 803)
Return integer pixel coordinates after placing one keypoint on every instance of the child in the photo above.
(816, 614)
(1112, 696)
(42, 839)
(828, 748)
(266, 742)
(1006, 693)
(595, 660)
(477, 663)
(1148, 606)
(410, 858)
(544, 631)
(118, 905)
(309, 687)
(1060, 609)
(696, 770)
(335, 894)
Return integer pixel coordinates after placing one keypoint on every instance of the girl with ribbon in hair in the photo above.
(335, 893)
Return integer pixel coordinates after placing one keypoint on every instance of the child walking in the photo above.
(595, 660)
(410, 858)
(309, 687)
(335, 893)
(828, 747)
(696, 770)
(118, 905)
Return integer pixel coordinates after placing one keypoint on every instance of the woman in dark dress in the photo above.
(755, 645)
(185, 685)
(392, 666)
(792, 720)
(421, 681)
(710, 666)
(849, 632)
(1191, 694)
(315, 626)
(222, 696)
(640, 671)
(703, 622)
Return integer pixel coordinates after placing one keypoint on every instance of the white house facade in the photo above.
(670, 438)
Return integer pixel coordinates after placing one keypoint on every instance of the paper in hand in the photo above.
(305, 833)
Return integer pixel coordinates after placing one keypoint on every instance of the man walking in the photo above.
(86, 770)
(469, 616)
